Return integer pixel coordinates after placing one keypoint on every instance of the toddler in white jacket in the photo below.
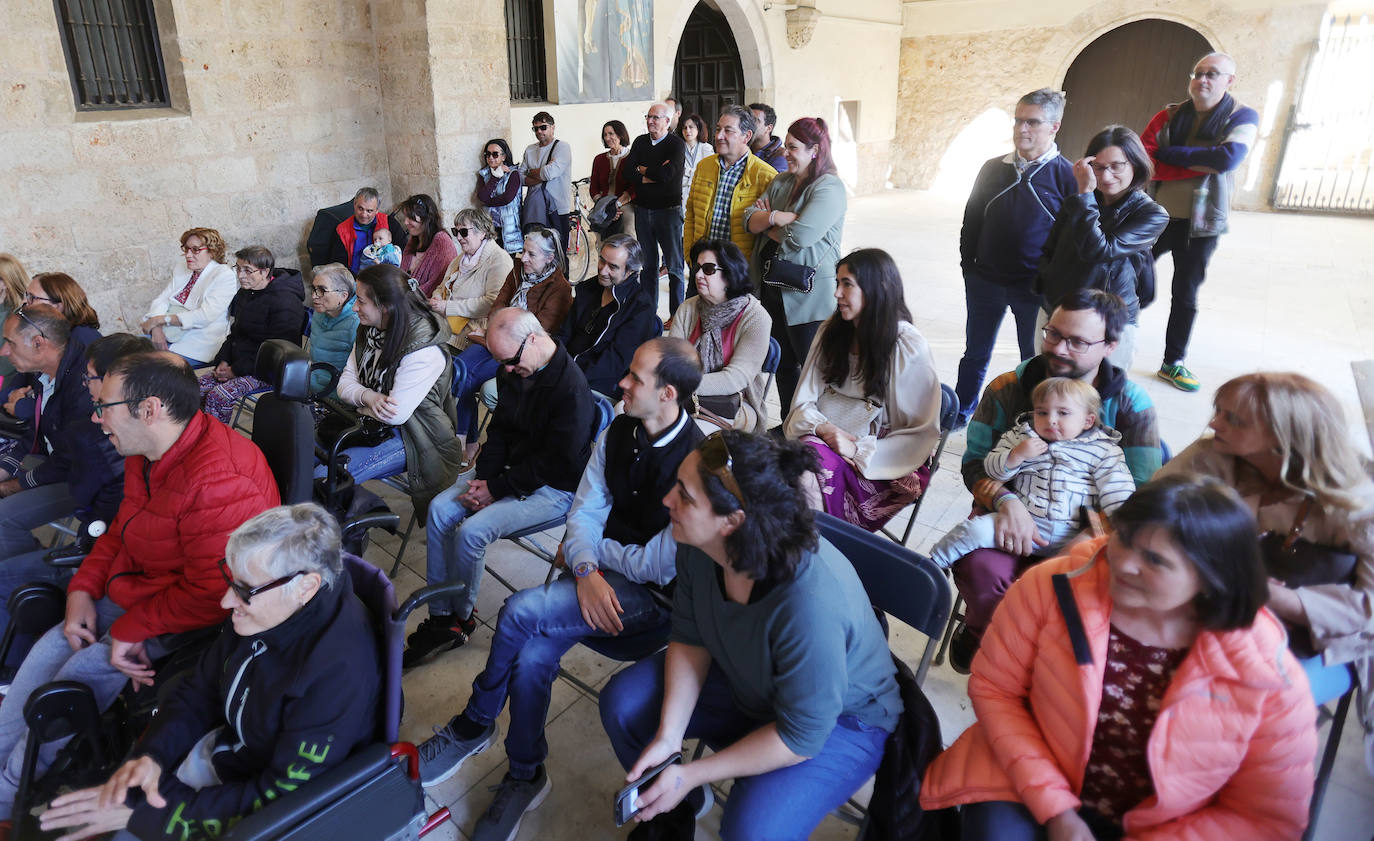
(1057, 460)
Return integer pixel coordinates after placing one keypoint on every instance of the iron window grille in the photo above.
(525, 50)
(114, 57)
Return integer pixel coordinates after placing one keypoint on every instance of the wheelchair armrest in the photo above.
(60, 709)
(425, 595)
(67, 557)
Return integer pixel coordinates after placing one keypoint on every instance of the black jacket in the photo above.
(81, 454)
(1008, 216)
(1108, 248)
(292, 702)
(541, 432)
(662, 164)
(277, 311)
(632, 323)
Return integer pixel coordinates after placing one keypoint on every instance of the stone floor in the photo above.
(1286, 292)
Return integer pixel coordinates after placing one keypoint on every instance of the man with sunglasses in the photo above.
(189, 481)
(1196, 146)
(621, 557)
(75, 470)
(537, 446)
(1081, 333)
(546, 170)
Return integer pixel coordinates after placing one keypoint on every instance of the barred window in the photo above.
(113, 54)
(525, 50)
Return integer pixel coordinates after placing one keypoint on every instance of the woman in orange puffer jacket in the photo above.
(1136, 688)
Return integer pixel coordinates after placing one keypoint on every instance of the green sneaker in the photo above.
(1179, 377)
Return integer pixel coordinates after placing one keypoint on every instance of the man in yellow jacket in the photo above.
(725, 184)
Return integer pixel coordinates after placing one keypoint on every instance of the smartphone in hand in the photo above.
(625, 809)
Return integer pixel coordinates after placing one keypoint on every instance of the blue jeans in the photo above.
(480, 367)
(660, 231)
(386, 459)
(535, 629)
(53, 659)
(986, 303)
(786, 803)
(1003, 820)
(22, 512)
(458, 539)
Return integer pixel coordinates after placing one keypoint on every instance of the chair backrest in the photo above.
(774, 357)
(377, 593)
(899, 582)
(460, 377)
(949, 408)
(605, 412)
(286, 367)
(283, 427)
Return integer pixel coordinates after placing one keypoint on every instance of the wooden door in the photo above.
(1125, 77)
(708, 74)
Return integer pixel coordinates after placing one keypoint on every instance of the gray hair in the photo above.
(634, 255)
(475, 218)
(516, 324)
(257, 256)
(369, 193)
(551, 243)
(1047, 100)
(336, 273)
(287, 539)
(746, 117)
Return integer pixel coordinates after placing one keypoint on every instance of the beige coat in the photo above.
(469, 294)
(743, 373)
(1341, 616)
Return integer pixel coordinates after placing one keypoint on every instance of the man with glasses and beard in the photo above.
(1080, 335)
(537, 446)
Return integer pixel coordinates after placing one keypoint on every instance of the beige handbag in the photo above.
(852, 414)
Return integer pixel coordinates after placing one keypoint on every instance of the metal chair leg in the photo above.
(1328, 762)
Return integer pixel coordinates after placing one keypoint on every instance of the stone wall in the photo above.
(279, 114)
(960, 58)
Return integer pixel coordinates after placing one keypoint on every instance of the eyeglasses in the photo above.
(519, 352)
(1031, 123)
(708, 269)
(29, 298)
(715, 455)
(196, 249)
(321, 291)
(101, 407)
(243, 270)
(87, 378)
(654, 117)
(1116, 168)
(1076, 345)
(497, 154)
(1209, 75)
(246, 593)
(29, 321)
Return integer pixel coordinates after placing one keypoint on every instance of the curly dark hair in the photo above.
(779, 527)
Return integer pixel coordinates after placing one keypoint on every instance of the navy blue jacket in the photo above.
(81, 455)
(633, 322)
(290, 702)
(1008, 217)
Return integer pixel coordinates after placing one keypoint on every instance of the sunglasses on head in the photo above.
(715, 456)
(29, 321)
(246, 593)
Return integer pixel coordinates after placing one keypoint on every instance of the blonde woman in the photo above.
(190, 316)
(1281, 441)
(474, 278)
(14, 283)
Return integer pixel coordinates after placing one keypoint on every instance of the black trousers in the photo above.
(795, 341)
(1191, 255)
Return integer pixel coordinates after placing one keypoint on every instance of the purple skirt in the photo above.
(867, 503)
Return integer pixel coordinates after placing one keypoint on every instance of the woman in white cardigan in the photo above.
(868, 399)
(190, 316)
(474, 278)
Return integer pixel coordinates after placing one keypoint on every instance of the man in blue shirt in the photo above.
(621, 555)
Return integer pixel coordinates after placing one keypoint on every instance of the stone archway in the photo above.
(707, 73)
(750, 32)
(1125, 76)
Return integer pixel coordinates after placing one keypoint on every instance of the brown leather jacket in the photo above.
(549, 300)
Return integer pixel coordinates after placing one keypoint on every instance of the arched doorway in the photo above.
(1125, 77)
(707, 73)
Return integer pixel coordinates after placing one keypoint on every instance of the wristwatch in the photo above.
(584, 569)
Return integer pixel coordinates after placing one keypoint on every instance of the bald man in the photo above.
(1196, 146)
(653, 177)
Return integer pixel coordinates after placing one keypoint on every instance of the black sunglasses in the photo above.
(708, 269)
(519, 352)
(246, 593)
(715, 455)
(497, 154)
(462, 232)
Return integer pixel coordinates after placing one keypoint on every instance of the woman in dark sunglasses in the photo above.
(498, 189)
(775, 657)
(286, 691)
(474, 278)
(730, 330)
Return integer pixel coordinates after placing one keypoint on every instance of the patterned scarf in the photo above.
(528, 282)
(370, 373)
(713, 321)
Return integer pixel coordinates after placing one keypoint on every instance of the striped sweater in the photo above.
(1126, 407)
(1088, 470)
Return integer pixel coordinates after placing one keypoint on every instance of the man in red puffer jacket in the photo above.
(189, 481)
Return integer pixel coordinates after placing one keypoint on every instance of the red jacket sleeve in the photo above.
(202, 530)
(1163, 171)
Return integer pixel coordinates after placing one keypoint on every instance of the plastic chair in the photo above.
(949, 416)
(1329, 683)
(770, 367)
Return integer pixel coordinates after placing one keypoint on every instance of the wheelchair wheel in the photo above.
(579, 254)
